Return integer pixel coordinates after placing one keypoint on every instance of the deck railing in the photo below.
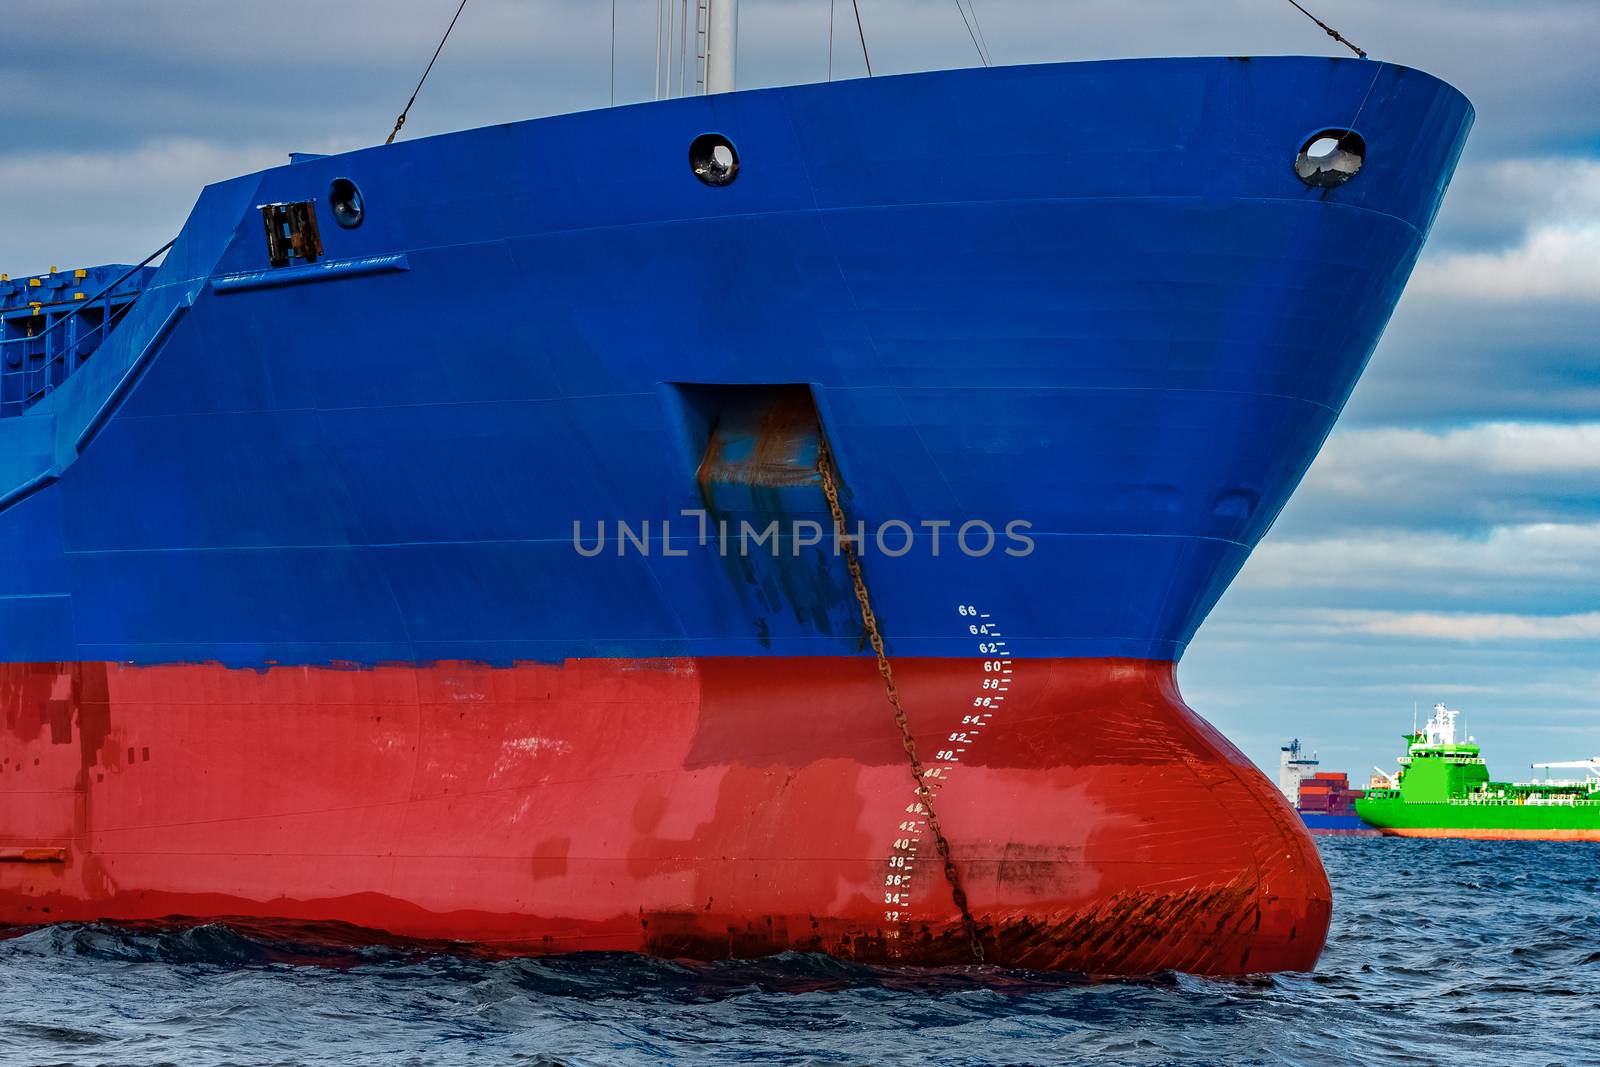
(61, 344)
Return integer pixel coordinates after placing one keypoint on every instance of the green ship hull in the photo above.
(1464, 818)
(1443, 790)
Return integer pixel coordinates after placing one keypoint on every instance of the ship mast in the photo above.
(699, 47)
(722, 45)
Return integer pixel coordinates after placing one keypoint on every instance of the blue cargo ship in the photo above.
(439, 540)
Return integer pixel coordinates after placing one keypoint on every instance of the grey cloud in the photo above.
(1494, 204)
(1463, 480)
(154, 187)
(1445, 361)
(1545, 569)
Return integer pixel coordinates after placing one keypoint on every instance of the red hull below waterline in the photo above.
(685, 808)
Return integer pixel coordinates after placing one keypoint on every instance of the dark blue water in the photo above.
(1441, 952)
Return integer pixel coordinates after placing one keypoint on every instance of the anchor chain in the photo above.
(830, 489)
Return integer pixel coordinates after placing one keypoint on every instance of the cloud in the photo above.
(1308, 628)
(1465, 481)
(1493, 205)
(1448, 360)
(1496, 447)
(1479, 626)
(1513, 265)
(1559, 262)
(1542, 559)
(114, 205)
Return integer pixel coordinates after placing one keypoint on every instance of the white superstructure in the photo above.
(1293, 769)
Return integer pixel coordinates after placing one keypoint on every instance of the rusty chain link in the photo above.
(830, 489)
(1331, 32)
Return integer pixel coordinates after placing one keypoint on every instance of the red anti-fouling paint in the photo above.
(697, 808)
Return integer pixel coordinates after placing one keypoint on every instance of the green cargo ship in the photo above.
(1443, 790)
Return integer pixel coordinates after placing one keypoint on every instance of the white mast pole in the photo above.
(672, 47)
(722, 45)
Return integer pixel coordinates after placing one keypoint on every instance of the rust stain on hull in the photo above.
(33, 855)
(1199, 931)
(766, 438)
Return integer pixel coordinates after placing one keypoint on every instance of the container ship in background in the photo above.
(1442, 789)
(297, 625)
(1323, 799)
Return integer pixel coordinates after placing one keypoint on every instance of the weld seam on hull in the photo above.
(1314, 203)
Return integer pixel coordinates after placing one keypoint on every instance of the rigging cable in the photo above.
(863, 35)
(1330, 31)
(401, 121)
(968, 24)
(613, 53)
(830, 39)
(972, 5)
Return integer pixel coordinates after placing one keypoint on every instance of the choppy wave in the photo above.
(1441, 952)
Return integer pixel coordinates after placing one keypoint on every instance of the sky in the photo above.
(1445, 546)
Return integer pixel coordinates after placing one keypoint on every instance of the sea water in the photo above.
(1441, 952)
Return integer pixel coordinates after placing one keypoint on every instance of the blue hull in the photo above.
(1338, 825)
(1095, 298)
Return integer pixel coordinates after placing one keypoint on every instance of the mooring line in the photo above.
(401, 121)
(1330, 31)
